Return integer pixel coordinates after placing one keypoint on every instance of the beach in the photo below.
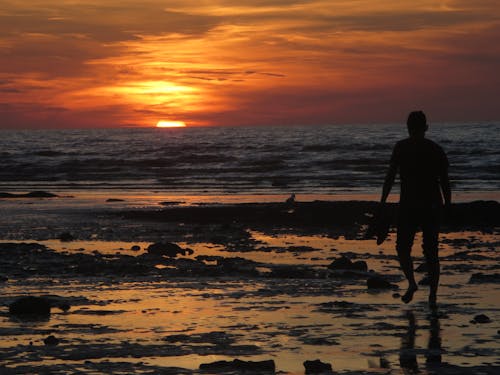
(233, 188)
(178, 284)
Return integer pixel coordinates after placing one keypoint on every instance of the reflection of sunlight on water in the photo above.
(327, 249)
(285, 324)
(149, 312)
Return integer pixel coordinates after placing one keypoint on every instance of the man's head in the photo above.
(417, 123)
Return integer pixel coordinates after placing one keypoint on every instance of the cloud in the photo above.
(28, 115)
(10, 90)
(226, 62)
(340, 16)
(101, 21)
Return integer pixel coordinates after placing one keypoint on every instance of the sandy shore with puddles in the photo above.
(250, 290)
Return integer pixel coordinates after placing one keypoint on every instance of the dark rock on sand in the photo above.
(40, 194)
(171, 203)
(33, 194)
(347, 217)
(360, 265)
(238, 266)
(64, 306)
(66, 237)
(51, 340)
(135, 248)
(317, 367)
(293, 272)
(247, 367)
(477, 213)
(37, 306)
(479, 278)
(378, 282)
(115, 200)
(481, 318)
(168, 249)
(344, 263)
(306, 214)
(218, 338)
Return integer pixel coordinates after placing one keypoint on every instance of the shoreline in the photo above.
(156, 195)
(123, 220)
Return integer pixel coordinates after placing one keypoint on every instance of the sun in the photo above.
(170, 124)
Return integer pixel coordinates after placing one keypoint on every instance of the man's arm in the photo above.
(389, 181)
(391, 173)
(444, 181)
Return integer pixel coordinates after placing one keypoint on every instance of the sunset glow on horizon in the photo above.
(170, 124)
(101, 64)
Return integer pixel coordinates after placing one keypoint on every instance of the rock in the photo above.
(66, 237)
(135, 248)
(360, 265)
(342, 263)
(218, 338)
(115, 200)
(168, 249)
(247, 367)
(481, 318)
(378, 282)
(171, 203)
(292, 272)
(33, 194)
(317, 367)
(237, 266)
(51, 340)
(479, 278)
(40, 194)
(30, 306)
(64, 306)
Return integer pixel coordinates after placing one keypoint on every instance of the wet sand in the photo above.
(257, 286)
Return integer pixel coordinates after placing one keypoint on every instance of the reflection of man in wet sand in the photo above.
(423, 171)
(408, 353)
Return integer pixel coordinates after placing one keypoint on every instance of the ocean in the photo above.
(336, 159)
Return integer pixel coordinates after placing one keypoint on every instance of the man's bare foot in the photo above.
(408, 296)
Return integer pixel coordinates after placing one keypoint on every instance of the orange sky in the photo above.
(118, 63)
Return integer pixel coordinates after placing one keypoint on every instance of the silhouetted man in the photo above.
(423, 171)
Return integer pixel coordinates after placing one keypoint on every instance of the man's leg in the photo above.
(404, 242)
(430, 229)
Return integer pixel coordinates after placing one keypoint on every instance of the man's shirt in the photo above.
(420, 163)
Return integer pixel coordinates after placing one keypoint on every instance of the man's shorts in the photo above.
(413, 217)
